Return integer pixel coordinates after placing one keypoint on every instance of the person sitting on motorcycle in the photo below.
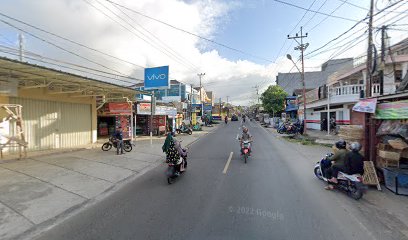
(337, 163)
(226, 119)
(246, 136)
(172, 154)
(354, 162)
(183, 126)
(243, 118)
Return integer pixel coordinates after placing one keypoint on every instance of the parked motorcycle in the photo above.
(127, 145)
(187, 130)
(172, 171)
(351, 184)
(290, 128)
(245, 150)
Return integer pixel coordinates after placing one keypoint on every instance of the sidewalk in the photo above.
(37, 191)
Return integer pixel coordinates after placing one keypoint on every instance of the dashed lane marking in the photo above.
(228, 163)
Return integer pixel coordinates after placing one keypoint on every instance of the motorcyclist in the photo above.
(354, 162)
(172, 154)
(243, 118)
(226, 119)
(337, 163)
(246, 136)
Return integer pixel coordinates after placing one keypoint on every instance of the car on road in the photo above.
(234, 118)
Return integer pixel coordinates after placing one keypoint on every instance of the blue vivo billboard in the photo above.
(156, 78)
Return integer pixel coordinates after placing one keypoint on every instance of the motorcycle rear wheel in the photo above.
(169, 180)
(127, 147)
(354, 193)
(106, 146)
(246, 157)
(190, 132)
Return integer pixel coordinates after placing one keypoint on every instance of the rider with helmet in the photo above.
(354, 162)
(337, 162)
(246, 136)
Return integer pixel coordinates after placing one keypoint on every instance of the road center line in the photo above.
(228, 163)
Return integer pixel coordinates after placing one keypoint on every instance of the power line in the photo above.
(355, 25)
(321, 13)
(69, 40)
(190, 33)
(125, 27)
(156, 38)
(59, 47)
(28, 56)
(149, 40)
(324, 19)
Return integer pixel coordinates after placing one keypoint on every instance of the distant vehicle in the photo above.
(234, 118)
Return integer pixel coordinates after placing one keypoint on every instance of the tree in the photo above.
(273, 99)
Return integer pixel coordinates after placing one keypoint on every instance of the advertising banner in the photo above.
(207, 107)
(392, 110)
(366, 105)
(156, 78)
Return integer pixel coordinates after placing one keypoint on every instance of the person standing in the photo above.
(119, 140)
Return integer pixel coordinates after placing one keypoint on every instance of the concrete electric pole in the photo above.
(302, 47)
(370, 52)
(200, 75)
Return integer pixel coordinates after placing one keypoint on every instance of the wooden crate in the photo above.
(383, 162)
(398, 144)
(389, 155)
(383, 146)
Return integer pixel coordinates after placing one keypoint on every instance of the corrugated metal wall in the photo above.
(50, 124)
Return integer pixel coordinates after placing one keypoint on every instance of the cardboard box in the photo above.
(389, 155)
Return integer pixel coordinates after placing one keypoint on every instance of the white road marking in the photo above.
(237, 136)
(228, 163)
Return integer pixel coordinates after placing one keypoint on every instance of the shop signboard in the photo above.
(207, 107)
(196, 108)
(156, 78)
(392, 110)
(144, 108)
(366, 105)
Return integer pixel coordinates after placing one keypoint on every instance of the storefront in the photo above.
(113, 115)
(164, 119)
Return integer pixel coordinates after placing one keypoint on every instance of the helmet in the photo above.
(341, 144)
(245, 129)
(355, 147)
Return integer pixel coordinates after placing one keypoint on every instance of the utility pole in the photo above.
(191, 104)
(383, 28)
(302, 47)
(200, 75)
(152, 110)
(220, 109)
(370, 52)
(21, 46)
(227, 106)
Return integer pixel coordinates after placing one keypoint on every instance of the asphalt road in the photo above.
(273, 196)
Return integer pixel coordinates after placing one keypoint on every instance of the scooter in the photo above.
(187, 130)
(127, 145)
(351, 184)
(226, 120)
(172, 173)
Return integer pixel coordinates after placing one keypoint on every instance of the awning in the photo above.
(21, 75)
(392, 110)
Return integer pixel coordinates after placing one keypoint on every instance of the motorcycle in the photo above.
(226, 120)
(187, 130)
(172, 173)
(127, 145)
(245, 150)
(351, 184)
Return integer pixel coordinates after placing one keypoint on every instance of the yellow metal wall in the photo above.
(52, 124)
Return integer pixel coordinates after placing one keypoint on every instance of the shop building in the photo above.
(59, 109)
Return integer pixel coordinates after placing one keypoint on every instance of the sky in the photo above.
(256, 29)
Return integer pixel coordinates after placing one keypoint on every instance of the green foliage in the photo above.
(273, 99)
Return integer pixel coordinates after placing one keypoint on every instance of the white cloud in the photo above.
(80, 22)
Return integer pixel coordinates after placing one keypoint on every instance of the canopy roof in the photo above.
(25, 76)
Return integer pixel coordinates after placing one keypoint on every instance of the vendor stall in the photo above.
(113, 115)
(392, 149)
